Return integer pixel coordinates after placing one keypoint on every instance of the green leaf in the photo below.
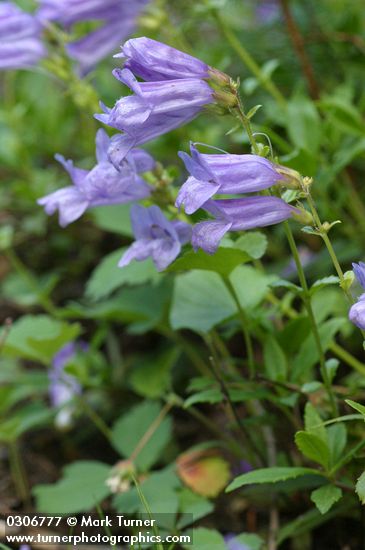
(131, 427)
(33, 415)
(223, 261)
(313, 422)
(206, 539)
(359, 408)
(247, 541)
(322, 283)
(107, 276)
(308, 355)
(313, 448)
(304, 124)
(269, 475)
(194, 505)
(251, 285)
(38, 337)
(81, 488)
(254, 243)
(151, 374)
(200, 301)
(114, 218)
(360, 488)
(212, 395)
(275, 360)
(325, 497)
(344, 115)
(337, 439)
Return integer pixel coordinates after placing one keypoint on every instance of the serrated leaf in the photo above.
(38, 337)
(81, 488)
(313, 448)
(252, 242)
(108, 277)
(131, 427)
(313, 422)
(325, 497)
(360, 488)
(224, 261)
(251, 113)
(269, 475)
(322, 283)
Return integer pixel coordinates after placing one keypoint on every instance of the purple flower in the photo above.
(225, 174)
(267, 11)
(233, 544)
(154, 109)
(152, 60)
(117, 17)
(357, 311)
(103, 185)
(20, 45)
(156, 237)
(63, 387)
(238, 215)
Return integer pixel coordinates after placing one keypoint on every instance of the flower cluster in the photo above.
(176, 87)
(174, 90)
(103, 185)
(227, 174)
(21, 45)
(117, 20)
(357, 311)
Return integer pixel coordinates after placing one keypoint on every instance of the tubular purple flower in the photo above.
(152, 60)
(224, 174)
(103, 185)
(63, 387)
(238, 215)
(357, 313)
(156, 237)
(118, 21)
(359, 270)
(232, 543)
(21, 45)
(154, 109)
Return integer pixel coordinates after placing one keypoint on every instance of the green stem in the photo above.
(245, 331)
(308, 306)
(19, 476)
(151, 430)
(248, 60)
(28, 277)
(95, 418)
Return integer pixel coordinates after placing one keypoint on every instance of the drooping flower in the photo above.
(357, 310)
(103, 185)
(152, 60)
(117, 21)
(156, 237)
(155, 109)
(20, 45)
(63, 386)
(226, 174)
(238, 215)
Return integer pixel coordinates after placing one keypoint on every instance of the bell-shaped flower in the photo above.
(156, 237)
(226, 174)
(152, 60)
(155, 109)
(63, 386)
(357, 312)
(238, 215)
(103, 185)
(20, 44)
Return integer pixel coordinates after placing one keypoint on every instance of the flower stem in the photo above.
(248, 60)
(245, 331)
(19, 476)
(308, 306)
